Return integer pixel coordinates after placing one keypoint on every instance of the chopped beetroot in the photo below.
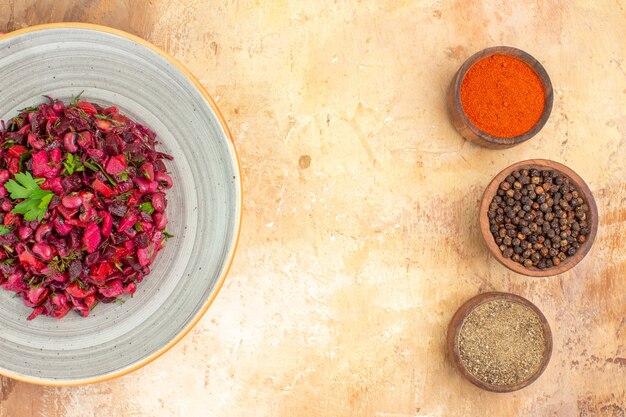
(40, 163)
(107, 223)
(112, 288)
(102, 188)
(87, 107)
(96, 197)
(16, 151)
(116, 164)
(91, 238)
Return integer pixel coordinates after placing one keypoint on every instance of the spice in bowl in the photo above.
(502, 343)
(503, 96)
(538, 218)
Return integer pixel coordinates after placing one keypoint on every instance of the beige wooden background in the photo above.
(360, 236)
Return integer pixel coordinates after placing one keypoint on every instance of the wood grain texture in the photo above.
(352, 262)
(136, 17)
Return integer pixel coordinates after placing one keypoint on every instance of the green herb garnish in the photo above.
(147, 207)
(108, 119)
(29, 109)
(35, 200)
(94, 166)
(32, 280)
(61, 263)
(24, 157)
(72, 164)
(76, 100)
(4, 229)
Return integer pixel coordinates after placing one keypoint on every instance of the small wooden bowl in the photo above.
(575, 179)
(463, 124)
(454, 329)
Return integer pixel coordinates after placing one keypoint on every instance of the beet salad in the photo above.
(82, 206)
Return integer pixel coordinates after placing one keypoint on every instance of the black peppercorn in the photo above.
(538, 218)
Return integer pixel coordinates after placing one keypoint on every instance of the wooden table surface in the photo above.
(360, 235)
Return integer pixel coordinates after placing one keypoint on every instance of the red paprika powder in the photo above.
(502, 96)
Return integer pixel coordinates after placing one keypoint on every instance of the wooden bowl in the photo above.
(463, 124)
(575, 179)
(454, 329)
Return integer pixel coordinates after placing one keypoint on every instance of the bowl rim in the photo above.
(541, 164)
(238, 204)
(456, 323)
(527, 59)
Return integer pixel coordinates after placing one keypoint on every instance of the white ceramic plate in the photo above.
(204, 210)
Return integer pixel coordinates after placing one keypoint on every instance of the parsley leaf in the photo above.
(35, 201)
(147, 207)
(72, 164)
(4, 230)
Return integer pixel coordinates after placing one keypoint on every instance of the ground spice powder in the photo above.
(502, 343)
(502, 96)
